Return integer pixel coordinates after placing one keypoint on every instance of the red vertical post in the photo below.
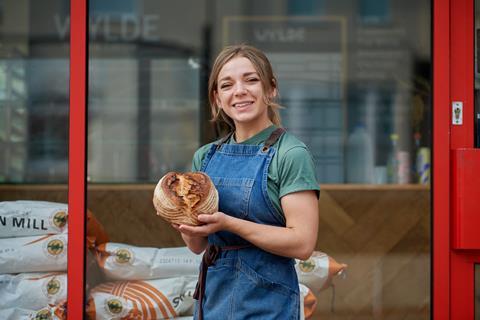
(462, 70)
(462, 262)
(441, 160)
(77, 159)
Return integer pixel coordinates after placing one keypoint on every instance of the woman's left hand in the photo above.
(212, 223)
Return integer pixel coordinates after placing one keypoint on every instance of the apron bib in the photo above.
(243, 281)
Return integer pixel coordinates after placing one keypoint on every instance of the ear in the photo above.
(273, 93)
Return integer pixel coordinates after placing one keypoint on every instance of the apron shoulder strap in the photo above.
(274, 136)
(224, 139)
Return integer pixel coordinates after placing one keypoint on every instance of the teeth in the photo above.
(243, 104)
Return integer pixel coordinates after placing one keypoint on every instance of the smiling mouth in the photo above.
(242, 104)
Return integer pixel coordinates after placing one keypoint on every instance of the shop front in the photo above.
(98, 102)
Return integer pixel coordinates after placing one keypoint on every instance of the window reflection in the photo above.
(34, 93)
(34, 103)
(355, 86)
(145, 99)
(354, 78)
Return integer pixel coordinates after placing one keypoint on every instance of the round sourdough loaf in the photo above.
(180, 197)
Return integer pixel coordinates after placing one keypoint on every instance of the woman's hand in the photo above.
(211, 223)
(195, 237)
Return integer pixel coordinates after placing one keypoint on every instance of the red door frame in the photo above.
(453, 80)
(441, 161)
(453, 60)
(462, 257)
(77, 159)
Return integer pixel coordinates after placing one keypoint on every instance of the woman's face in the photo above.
(240, 93)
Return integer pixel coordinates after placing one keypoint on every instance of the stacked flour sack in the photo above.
(144, 283)
(316, 274)
(154, 283)
(33, 260)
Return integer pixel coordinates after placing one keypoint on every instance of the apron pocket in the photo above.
(260, 296)
(261, 281)
(234, 195)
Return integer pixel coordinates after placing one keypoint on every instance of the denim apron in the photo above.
(237, 279)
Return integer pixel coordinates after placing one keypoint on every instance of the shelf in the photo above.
(374, 187)
(137, 187)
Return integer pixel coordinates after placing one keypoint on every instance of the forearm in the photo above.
(283, 241)
(296, 240)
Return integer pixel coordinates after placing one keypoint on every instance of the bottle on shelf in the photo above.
(360, 161)
(392, 161)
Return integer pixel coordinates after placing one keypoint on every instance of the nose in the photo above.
(239, 89)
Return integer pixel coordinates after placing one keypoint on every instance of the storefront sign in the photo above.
(124, 27)
(381, 53)
(278, 34)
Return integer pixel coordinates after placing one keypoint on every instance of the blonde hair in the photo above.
(265, 72)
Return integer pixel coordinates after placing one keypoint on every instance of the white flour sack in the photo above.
(33, 254)
(32, 291)
(126, 262)
(151, 299)
(30, 218)
(318, 271)
(308, 302)
(46, 313)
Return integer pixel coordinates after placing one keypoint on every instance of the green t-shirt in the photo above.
(290, 170)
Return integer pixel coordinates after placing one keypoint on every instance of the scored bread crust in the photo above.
(180, 197)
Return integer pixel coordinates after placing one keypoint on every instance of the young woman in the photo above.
(268, 210)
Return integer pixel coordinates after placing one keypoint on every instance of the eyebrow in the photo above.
(246, 74)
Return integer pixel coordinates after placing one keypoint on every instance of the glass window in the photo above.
(355, 82)
(144, 90)
(34, 104)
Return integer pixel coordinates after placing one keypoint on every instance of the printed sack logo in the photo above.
(43, 314)
(114, 306)
(307, 265)
(123, 256)
(55, 248)
(53, 287)
(59, 219)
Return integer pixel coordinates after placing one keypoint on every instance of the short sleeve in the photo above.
(297, 172)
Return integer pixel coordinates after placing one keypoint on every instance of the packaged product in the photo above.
(96, 234)
(30, 218)
(318, 271)
(32, 291)
(308, 302)
(150, 299)
(126, 262)
(108, 306)
(58, 312)
(34, 254)
(25, 218)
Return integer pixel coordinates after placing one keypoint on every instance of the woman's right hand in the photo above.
(196, 244)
